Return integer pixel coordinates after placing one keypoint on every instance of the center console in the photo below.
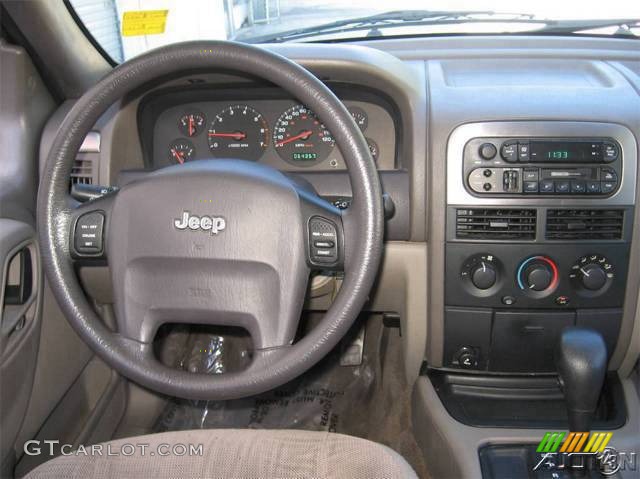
(539, 223)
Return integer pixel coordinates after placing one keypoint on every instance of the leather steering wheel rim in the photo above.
(365, 225)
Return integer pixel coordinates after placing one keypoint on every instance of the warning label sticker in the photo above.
(144, 22)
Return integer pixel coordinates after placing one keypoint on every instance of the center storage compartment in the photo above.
(524, 340)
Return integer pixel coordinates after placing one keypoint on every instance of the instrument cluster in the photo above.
(282, 133)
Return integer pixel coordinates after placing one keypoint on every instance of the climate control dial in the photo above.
(481, 273)
(592, 274)
(537, 276)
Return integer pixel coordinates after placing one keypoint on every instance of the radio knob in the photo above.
(593, 277)
(483, 275)
(488, 151)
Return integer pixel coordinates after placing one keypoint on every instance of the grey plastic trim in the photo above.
(458, 195)
(91, 143)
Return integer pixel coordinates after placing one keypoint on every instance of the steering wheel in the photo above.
(225, 242)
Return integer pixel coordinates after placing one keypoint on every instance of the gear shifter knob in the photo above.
(581, 361)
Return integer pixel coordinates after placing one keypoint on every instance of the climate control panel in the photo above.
(536, 276)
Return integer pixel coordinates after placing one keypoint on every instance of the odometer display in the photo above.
(300, 138)
(238, 131)
(304, 156)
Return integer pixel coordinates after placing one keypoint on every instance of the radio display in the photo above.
(565, 151)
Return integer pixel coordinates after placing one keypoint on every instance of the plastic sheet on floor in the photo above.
(329, 397)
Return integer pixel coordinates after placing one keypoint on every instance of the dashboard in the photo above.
(259, 125)
(506, 162)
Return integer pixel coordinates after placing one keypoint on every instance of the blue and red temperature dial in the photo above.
(538, 275)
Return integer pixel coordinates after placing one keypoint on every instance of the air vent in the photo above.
(584, 224)
(82, 171)
(497, 224)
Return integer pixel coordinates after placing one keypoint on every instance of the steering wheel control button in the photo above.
(323, 241)
(88, 234)
(488, 151)
(324, 244)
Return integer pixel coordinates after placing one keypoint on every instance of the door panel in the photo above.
(20, 303)
(25, 104)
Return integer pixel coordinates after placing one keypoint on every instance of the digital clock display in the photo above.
(558, 155)
(304, 156)
(566, 151)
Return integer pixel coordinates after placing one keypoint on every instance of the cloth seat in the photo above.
(232, 453)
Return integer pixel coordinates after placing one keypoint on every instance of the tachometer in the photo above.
(238, 131)
(300, 138)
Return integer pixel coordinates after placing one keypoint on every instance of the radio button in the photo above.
(609, 151)
(547, 186)
(578, 187)
(523, 152)
(607, 187)
(562, 187)
(509, 152)
(593, 187)
(530, 187)
(608, 174)
(530, 175)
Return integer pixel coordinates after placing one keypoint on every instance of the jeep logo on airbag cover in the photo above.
(214, 224)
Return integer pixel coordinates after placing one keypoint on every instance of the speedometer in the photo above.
(300, 138)
(238, 131)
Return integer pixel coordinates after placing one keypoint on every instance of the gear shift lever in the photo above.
(581, 361)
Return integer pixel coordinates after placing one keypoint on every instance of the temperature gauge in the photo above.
(360, 117)
(181, 150)
(191, 124)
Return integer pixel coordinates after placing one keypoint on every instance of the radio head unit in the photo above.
(542, 166)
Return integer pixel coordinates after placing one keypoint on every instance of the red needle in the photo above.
(178, 156)
(235, 136)
(191, 126)
(304, 135)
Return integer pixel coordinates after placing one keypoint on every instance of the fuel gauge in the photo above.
(191, 123)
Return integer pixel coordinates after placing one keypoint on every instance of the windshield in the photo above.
(126, 28)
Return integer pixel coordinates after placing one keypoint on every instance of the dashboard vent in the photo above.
(497, 224)
(585, 224)
(82, 171)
